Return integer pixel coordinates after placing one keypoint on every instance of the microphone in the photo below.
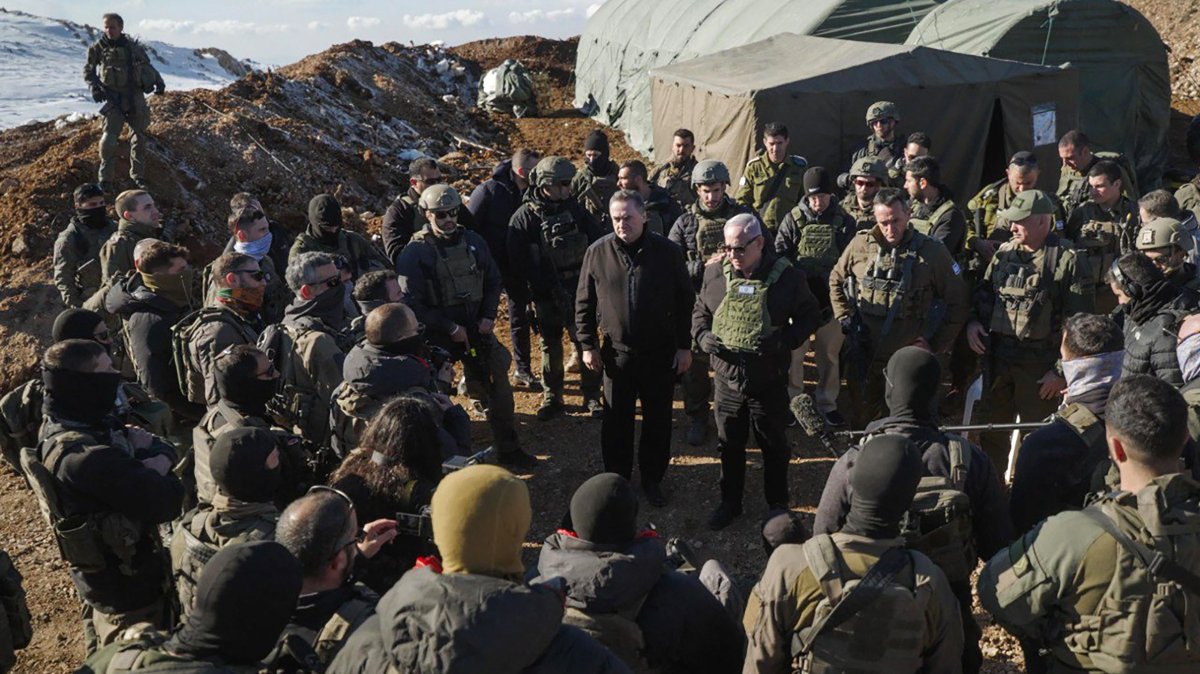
(811, 422)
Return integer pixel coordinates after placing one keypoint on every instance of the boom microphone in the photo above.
(811, 421)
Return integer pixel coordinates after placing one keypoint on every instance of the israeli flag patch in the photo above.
(957, 270)
(1058, 225)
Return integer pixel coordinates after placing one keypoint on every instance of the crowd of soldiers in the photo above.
(256, 464)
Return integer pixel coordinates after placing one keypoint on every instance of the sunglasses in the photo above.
(740, 250)
(864, 183)
(446, 215)
(359, 535)
(881, 122)
(256, 274)
(331, 282)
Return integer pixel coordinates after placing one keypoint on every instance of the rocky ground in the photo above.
(347, 121)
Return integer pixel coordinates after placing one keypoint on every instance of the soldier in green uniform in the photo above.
(884, 142)
(675, 176)
(1022, 174)
(1077, 162)
(1034, 282)
(325, 234)
(934, 213)
(1104, 227)
(1168, 245)
(140, 219)
(126, 76)
(881, 289)
(77, 251)
(1188, 196)
(596, 182)
(700, 232)
(867, 176)
(773, 182)
(1113, 587)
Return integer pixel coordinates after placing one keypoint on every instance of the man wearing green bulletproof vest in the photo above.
(752, 310)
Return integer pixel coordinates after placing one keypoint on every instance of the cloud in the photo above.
(166, 25)
(226, 27)
(462, 17)
(360, 22)
(539, 16)
(317, 25)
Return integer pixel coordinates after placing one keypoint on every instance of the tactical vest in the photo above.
(190, 366)
(1144, 622)
(1024, 306)
(459, 280)
(1086, 425)
(145, 652)
(126, 66)
(984, 206)
(742, 319)
(20, 419)
(88, 542)
(564, 244)
(817, 251)
(885, 636)
(710, 229)
(1100, 241)
(618, 631)
(888, 281)
(938, 523)
(925, 225)
(87, 275)
(195, 542)
(296, 406)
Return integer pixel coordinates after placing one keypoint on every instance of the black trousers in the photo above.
(738, 411)
(518, 319)
(628, 379)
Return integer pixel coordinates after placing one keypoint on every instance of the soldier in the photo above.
(77, 251)
(252, 235)
(884, 143)
(700, 232)
(126, 76)
(492, 205)
(752, 311)
(1169, 245)
(990, 229)
(231, 317)
(918, 144)
(1188, 196)
(448, 277)
(661, 209)
(910, 623)
(675, 176)
(245, 470)
(325, 234)
(140, 219)
(881, 289)
(1034, 282)
(772, 183)
(957, 537)
(867, 176)
(402, 218)
(321, 531)
(1152, 314)
(596, 182)
(812, 237)
(1104, 227)
(1077, 162)
(112, 486)
(1055, 463)
(279, 237)
(634, 288)
(934, 213)
(1111, 587)
(547, 239)
(1160, 204)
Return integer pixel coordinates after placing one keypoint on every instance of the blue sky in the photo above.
(278, 32)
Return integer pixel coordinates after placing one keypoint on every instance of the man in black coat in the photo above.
(403, 217)
(635, 288)
(753, 309)
(1153, 308)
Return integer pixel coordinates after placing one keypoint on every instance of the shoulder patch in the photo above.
(799, 161)
(742, 181)
(956, 269)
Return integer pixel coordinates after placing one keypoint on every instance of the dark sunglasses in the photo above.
(331, 282)
(450, 214)
(863, 182)
(740, 250)
(256, 274)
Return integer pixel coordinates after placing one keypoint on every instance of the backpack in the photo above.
(189, 371)
(333, 634)
(884, 632)
(508, 88)
(20, 420)
(938, 524)
(350, 410)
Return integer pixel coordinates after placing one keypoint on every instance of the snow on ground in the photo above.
(41, 68)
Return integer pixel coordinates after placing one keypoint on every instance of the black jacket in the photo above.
(385, 374)
(491, 206)
(417, 267)
(684, 627)
(1150, 342)
(1054, 473)
(403, 218)
(528, 264)
(683, 233)
(148, 321)
(639, 297)
(663, 205)
(794, 313)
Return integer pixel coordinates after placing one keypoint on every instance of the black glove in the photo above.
(98, 94)
(159, 88)
(711, 344)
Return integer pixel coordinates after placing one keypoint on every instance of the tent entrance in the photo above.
(995, 159)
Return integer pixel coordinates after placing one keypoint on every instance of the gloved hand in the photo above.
(159, 88)
(711, 344)
(98, 94)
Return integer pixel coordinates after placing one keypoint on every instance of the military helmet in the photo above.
(1163, 232)
(552, 170)
(440, 197)
(869, 167)
(881, 110)
(710, 171)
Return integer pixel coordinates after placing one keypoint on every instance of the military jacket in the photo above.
(677, 180)
(352, 247)
(1073, 189)
(203, 531)
(701, 233)
(864, 218)
(769, 194)
(1188, 196)
(1103, 234)
(116, 255)
(77, 264)
(887, 152)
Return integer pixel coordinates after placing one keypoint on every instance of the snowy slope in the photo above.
(41, 67)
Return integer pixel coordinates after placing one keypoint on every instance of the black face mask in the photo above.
(92, 217)
(413, 346)
(329, 306)
(249, 396)
(86, 397)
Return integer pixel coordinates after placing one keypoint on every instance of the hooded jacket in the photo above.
(1151, 327)
(492, 205)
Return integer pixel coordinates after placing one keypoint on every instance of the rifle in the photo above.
(459, 462)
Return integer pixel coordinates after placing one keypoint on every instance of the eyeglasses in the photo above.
(356, 537)
(741, 250)
(256, 274)
(861, 182)
(446, 215)
(436, 180)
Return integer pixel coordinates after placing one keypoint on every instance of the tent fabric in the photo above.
(1122, 62)
(978, 111)
(624, 39)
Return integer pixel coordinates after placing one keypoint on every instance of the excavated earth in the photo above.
(347, 121)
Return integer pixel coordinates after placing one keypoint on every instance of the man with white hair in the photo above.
(753, 309)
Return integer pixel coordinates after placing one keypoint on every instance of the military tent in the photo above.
(624, 39)
(1122, 62)
(977, 110)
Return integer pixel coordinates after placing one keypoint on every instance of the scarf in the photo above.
(176, 288)
(1089, 379)
(255, 249)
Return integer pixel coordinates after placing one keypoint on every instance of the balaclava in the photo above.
(883, 484)
(598, 140)
(604, 510)
(912, 377)
(481, 515)
(238, 461)
(249, 395)
(325, 219)
(75, 324)
(85, 397)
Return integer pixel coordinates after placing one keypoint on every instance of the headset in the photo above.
(1132, 290)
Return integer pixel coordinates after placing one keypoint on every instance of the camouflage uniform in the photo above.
(1103, 235)
(676, 179)
(769, 194)
(125, 77)
(77, 272)
(1073, 185)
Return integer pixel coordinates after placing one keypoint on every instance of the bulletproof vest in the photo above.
(938, 523)
(459, 280)
(618, 631)
(16, 625)
(1024, 305)
(817, 251)
(888, 281)
(196, 540)
(710, 228)
(984, 205)
(1100, 241)
(742, 319)
(564, 243)
(604, 186)
(189, 364)
(89, 542)
(925, 225)
(1086, 425)
(677, 182)
(885, 636)
(87, 244)
(1144, 622)
(297, 406)
(126, 66)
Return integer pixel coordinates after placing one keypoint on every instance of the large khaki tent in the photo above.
(624, 39)
(977, 110)
(1122, 62)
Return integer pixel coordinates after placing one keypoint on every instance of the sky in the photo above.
(278, 32)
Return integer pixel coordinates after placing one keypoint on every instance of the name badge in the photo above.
(746, 290)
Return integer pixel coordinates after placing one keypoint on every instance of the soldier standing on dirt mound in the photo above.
(125, 77)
